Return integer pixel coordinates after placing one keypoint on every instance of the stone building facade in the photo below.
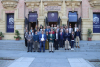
(20, 10)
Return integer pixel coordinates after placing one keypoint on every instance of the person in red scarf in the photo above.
(52, 31)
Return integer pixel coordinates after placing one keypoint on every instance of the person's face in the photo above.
(52, 25)
(35, 32)
(32, 30)
(75, 25)
(66, 31)
(46, 32)
(29, 32)
(77, 29)
(42, 32)
(56, 31)
(70, 26)
(72, 32)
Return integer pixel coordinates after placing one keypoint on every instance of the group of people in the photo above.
(52, 37)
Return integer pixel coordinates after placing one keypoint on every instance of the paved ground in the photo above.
(59, 59)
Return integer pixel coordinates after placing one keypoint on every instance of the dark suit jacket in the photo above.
(61, 37)
(67, 36)
(76, 33)
(53, 37)
(40, 36)
(58, 36)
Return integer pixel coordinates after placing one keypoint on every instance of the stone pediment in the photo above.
(94, 3)
(9, 3)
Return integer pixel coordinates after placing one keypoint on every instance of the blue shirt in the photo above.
(36, 37)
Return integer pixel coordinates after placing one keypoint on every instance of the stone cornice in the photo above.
(94, 3)
(9, 3)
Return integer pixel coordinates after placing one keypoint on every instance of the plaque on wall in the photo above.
(18, 26)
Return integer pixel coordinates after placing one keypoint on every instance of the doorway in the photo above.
(54, 23)
(32, 24)
(73, 24)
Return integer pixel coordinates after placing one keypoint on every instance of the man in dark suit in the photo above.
(29, 41)
(42, 39)
(67, 39)
(25, 36)
(61, 38)
(51, 38)
(36, 42)
(56, 40)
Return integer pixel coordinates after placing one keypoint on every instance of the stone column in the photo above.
(41, 17)
(64, 18)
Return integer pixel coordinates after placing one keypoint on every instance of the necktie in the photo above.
(61, 34)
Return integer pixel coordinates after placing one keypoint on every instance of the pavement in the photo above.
(14, 58)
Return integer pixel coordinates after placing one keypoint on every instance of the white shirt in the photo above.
(70, 30)
(75, 29)
(56, 36)
(42, 35)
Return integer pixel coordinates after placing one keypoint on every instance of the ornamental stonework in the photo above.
(94, 3)
(9, 3)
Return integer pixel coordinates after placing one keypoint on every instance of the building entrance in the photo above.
(73, 24)
(54, 23)
(32, 24)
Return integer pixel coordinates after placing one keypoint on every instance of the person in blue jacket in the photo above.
(42, 39)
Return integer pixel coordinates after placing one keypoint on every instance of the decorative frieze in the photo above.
(94, 3)
(9, 3)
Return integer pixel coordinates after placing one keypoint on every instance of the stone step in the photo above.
(85, 46)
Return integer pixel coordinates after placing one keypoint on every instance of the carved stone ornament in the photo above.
(9, 3)
(94, 3)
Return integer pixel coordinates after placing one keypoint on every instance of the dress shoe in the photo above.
(52, 51)
(43, 51)
(34, 51)
(49, 51)
(65, 49)
(27, 51)
(78, 46)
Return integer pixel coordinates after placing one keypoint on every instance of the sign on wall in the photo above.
(32, 17)
(52, 16)
(10, 22)
(72, 17)
(53, 8)
(96, 23)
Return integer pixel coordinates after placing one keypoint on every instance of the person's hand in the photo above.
(50, 39)
(35, 41)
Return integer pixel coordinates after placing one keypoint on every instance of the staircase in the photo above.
(85, 46)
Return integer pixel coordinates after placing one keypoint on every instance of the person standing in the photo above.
(52, 27)
(51, 38)
(56, 40)
(72, 40)
(47, 43)
(42, 39)
(61, 38)
(47, 29)
(75, 28)
(25, 36)
(36, 42)
(41, 27)
(67, 39)
(29, 41)
(77, 36)
(31, 29)
(33, 36)
(70, 29)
